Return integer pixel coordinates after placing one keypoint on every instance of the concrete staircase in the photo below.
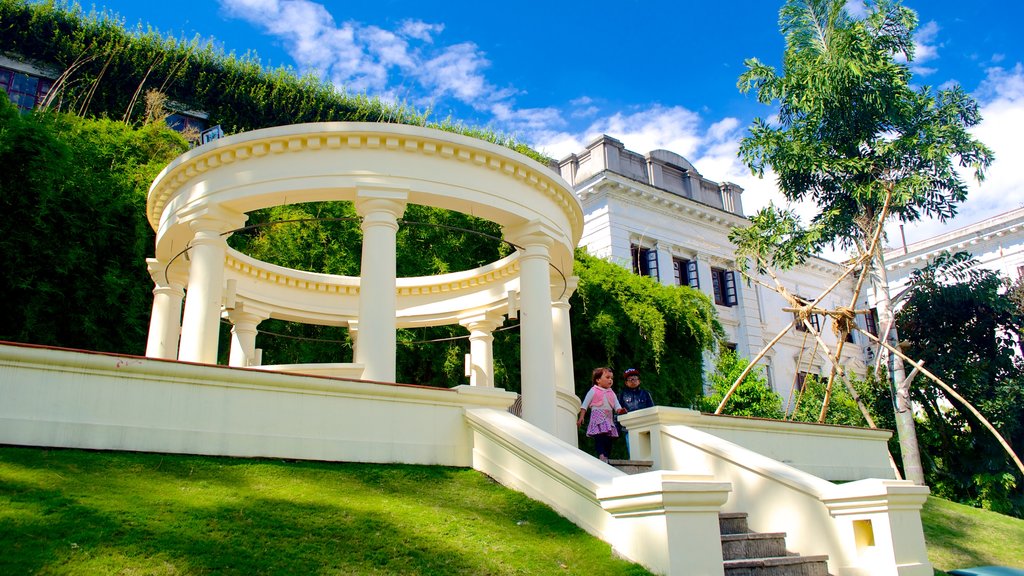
(749, 553)
(632, 466)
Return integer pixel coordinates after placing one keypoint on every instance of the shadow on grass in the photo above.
(953, 532)
(128, 513)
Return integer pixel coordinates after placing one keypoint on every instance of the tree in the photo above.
(856, 139)
(959, 321)
(73, 236)
(843, 408)
(753, 397)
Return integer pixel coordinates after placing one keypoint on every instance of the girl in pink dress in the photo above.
(603, 405)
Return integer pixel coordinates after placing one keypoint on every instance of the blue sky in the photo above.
(654, 74)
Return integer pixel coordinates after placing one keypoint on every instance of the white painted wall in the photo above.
(74, 399)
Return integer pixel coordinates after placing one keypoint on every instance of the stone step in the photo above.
(633, 466)
(778, 566)
(733, 523)
(754, 545)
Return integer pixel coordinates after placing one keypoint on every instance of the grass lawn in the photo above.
(81, 512)
(960, 536)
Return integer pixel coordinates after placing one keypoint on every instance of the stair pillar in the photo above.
(667, 521)
(879, 522)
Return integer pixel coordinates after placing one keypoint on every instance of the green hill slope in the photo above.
(80, 512)
(960, 536)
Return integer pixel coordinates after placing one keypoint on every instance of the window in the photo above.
(24, 90)
(686, 273)
(645, 261)
(801, 378)
(813, 319)
(723, 282)
(182, 121)
(871, 322)
(769, 374)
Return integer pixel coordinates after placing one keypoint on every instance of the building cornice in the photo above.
(614, 184)
(1005, 225)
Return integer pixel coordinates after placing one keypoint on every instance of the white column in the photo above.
(536, 332)
(708, 288)
(200, 326)
(244, 323)
(481, 350)
(165, 318)
(666, 273)
(353, 334)
(568, 404)
(745, 334)
(707, 285)
(377, 299)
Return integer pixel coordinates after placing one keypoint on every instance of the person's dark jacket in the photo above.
(635, 398)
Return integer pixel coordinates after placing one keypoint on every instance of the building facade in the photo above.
(997, 244)
(657, 215)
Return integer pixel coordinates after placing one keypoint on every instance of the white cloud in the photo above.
(457, 70)
(557, 144)
(585, 112)
(670, 128)
(926, 49)
(420, 30)
(361, 58)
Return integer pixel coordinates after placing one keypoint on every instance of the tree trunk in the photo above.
(905, 428)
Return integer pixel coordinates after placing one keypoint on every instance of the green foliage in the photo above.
(842, 408)
(753, 397)
(622, 320)
(773, 240)
(851, 128)
(73, 238)
(960, 323)
(79, 512)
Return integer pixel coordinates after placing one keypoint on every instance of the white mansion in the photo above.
(655, 213)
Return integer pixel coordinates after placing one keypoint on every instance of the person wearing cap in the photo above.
(633, 398)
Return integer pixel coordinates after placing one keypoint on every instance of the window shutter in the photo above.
(730, 288)
(691, 274)
(652, 264)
